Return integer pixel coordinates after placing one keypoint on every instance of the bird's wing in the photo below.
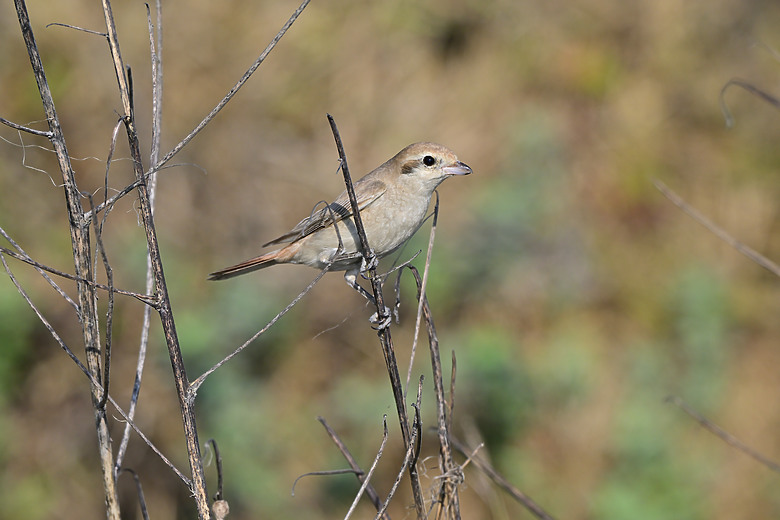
(370, 190)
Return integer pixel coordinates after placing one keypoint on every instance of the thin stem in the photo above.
(752, 254)
(367, 478)
(139, 491)
(418, 319)
(93, 381)
(195, 385)
(724, 435)
(218, 458)
(370, 491)
(80, 242)
(370, 260)
(736, 82)
(211, 115)
(449, 492)
(21, 128)
(21, 255)
(534, 508)
(165, 311)
(410, 459)
(157, 82)
(44, 321)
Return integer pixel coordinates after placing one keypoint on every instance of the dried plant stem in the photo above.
(21, 255)
(412, 453)
(736, 82)
(186, 400)
(139, 491)
(501, 481)
(385, 338)
(371, 470)
(157, 82)
(448, 496)
(79, 233)
(199, 381)
(723, 434)
(22, 128)
(43, 269)
(752, 254)
(424, 284)
(92, 380)
(370, 491)
(211, 115)
(86, 261)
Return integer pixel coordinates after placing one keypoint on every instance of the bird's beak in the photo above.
(457, 168)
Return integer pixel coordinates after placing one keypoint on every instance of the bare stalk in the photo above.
(412, 453)
(82, 255)
(157, 82)
(211, 115)
(186, 400)
(749, 252)
(534, 508)
(418, 320)
(371, 470)
(452, 474)
(723, 434)
(385, 339)
(361, 475)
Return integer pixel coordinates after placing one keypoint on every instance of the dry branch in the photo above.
(370, 261)
(165, 311)
(82, 256)
(502, 482)
(451, 472)
(723, 434)
(752, 254)
(370, 491)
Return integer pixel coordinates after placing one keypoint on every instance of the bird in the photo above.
(393, 202)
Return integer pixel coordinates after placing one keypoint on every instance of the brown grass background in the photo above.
(575, 296)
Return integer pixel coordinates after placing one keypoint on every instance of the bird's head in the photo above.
(428, 164)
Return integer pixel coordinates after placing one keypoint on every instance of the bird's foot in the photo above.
(381, 322)
(373, 263)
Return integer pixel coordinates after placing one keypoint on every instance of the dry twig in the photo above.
(752, 254)
(723, 434)
(501, 481)
(370, 260)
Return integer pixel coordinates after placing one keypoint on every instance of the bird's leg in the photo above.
(351, 278)
(376, 322)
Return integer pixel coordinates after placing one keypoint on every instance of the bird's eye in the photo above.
(428, 160)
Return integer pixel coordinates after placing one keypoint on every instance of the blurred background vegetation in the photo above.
(575, 296)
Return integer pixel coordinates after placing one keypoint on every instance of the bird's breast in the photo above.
(393, 221)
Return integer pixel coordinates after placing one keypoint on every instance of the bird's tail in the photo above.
(279, 256)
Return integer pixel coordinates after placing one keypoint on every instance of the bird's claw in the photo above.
(381, 322)
(373, 263)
